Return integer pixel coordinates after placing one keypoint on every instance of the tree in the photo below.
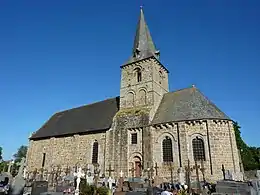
(1, 153)
(21, 153)
(250, 155)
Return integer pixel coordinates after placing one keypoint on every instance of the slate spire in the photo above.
(144, 46)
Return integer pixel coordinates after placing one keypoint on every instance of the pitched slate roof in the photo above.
(90, 118)
(186, 104)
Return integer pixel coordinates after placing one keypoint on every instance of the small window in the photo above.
(160, 77)
(138, 74)
(134, 138)
(95, 152)
(43, 159)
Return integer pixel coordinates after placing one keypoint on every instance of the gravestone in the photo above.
(258, 174)
(181, 175)
(233, 187)
(39, 187)
(120, 182)
(228, 175)
(18, 183)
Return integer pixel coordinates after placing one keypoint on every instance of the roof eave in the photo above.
(69, 134)
(186, 120)
(127, 64)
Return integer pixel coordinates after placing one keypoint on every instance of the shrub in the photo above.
(86, 189)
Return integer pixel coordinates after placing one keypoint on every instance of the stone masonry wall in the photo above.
(65, 151)
(119, 139)
(149, 91)
(221, 148)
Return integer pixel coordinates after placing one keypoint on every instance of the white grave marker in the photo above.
(79, 175)
(110, 183)
(121, 173)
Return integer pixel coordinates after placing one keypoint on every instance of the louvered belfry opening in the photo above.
(134, 138)
(198, 149)
(95, 152)
(167, 150)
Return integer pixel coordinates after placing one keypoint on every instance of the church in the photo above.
(146, 127)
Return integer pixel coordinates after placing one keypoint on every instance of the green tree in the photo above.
(1, 153)
(21, 153)
(250, 155)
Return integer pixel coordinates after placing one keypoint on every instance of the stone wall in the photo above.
(149, 91)
(219, 143)
(119, 148)
(65, 151)
(115, 146)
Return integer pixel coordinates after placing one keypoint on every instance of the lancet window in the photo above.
(198, 149)
(95, 152)
(167, 150)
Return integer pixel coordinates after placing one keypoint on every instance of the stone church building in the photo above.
(146, 126)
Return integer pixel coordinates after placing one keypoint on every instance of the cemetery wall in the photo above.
(65, 151)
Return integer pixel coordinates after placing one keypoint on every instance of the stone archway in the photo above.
(137, 166)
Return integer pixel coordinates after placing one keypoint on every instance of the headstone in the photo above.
(39, 187)
(10, 164)
(258, 174)
(120, 182)
(78, 175)
(233, 187)
(181, 175)
(110, 181)
(18, 184)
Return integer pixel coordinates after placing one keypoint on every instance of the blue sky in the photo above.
(60, 54)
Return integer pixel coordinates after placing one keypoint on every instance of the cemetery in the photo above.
(88, 181)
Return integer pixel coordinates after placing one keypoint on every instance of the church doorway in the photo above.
(138, 166)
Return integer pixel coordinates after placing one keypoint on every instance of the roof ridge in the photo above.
(183, 89)
(85, 105)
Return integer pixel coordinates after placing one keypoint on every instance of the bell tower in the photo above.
(144, 80)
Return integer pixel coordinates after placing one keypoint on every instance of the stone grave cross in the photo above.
(202, 169)
(132, 170)
(197, 167)
(79, 174)
(150, 174)
(223, 171)
(21, 168)
(156, 169)
(171, 168)
(110, 170)
(10, 164)
(121, 173)
(188, 170)
(89, 179)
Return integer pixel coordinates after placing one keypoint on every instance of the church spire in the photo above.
(143, 43)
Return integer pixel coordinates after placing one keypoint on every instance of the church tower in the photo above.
(144, 79)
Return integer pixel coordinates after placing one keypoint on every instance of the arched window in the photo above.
(95, 152)
(130, 99)
(167, 150)
(198, 149)
(142, 95)
(138, 74)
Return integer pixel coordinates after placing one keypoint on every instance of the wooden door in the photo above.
(138, 169)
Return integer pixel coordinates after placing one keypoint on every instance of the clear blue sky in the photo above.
(60, 54)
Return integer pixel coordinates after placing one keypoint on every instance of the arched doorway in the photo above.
(137, 166)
